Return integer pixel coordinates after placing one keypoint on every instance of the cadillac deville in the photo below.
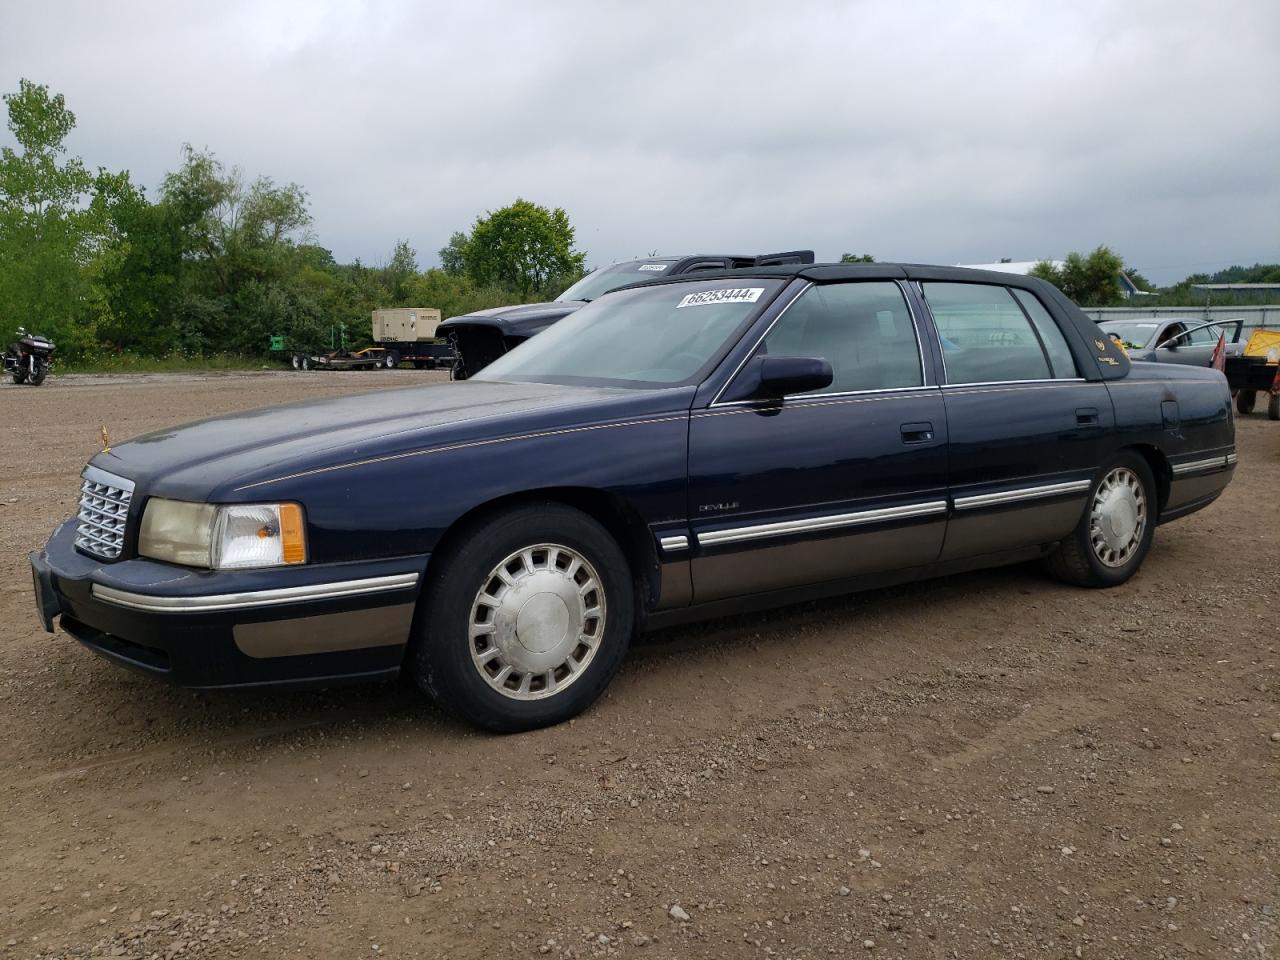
(675, 449)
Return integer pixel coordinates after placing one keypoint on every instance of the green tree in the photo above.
(48, 234)
(857, 258)
(1091, 281)
(453, 255)
(403, 265)
(524, 247)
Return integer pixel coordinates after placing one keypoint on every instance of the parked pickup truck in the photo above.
(480, 338)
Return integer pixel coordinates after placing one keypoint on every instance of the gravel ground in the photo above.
(991, 765)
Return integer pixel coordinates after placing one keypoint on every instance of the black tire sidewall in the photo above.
(1102, 574)
(443, 658)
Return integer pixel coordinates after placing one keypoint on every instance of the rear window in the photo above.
(599, 282)
(985, 336)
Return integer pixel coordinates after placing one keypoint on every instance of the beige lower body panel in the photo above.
(327, 633)
(1184, 490)
(974, 533)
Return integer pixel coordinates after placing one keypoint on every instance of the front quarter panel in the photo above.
(401, 502)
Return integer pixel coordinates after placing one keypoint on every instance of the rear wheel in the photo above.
(391, 360)
(1273, 407)
(306, 363)
(1114, 535)
(1246, 400)
(19, 374)
(296, 362)
(527, 620)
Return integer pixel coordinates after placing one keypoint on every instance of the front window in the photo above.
(864, 330)
(646, 337)
(599, 282)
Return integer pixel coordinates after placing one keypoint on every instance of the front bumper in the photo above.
(306, 625)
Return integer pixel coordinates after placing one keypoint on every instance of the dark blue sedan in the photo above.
(673, 450)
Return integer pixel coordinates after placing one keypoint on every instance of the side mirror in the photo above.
(777, 377)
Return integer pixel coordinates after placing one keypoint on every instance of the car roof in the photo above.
(826, 272)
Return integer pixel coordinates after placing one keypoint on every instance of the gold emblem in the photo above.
(1101, 345)
(106, 441)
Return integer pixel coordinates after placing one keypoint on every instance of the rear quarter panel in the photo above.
(1185, 414)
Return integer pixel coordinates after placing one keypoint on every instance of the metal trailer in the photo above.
(408, 335)
(1256, 371)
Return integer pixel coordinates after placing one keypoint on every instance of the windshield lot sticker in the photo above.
(652, 266)
(733, 295)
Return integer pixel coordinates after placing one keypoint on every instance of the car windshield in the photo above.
(646, 337)
(599, 282)
(1130, 331)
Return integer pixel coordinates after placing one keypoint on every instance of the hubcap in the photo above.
(537, 621)
(1118, 517)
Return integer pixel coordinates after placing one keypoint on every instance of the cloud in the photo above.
(933, 132)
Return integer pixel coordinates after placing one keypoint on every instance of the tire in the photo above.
(1273, 407)
(391, 361)
(296, 362)
(1087, 560)
(549, 551)
(1246, 400)
(19, 374)
(36, 376)
(306, 363)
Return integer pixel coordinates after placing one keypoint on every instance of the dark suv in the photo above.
(480, 338)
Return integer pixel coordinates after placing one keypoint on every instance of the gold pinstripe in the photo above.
(459, 446)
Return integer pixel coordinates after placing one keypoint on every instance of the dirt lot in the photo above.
(993, 765)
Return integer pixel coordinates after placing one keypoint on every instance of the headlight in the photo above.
(223, 537)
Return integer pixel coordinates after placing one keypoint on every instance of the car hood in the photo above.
(522, 320)
(210, 458)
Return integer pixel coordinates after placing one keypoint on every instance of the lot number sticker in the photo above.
(652, 266)
(731, 295)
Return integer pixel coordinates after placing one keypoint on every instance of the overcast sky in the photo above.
(930, 132)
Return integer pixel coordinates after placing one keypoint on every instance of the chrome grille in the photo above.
(104, 511)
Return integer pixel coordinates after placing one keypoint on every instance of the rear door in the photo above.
(845, 481)
(1025, 429)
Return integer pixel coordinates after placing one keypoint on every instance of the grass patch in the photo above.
(173, 363)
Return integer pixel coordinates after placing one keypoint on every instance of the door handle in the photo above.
(917, 432)
(1087, 416)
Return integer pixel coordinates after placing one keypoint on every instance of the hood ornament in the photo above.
(106, 441)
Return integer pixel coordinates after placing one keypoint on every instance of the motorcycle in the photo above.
(29, 357)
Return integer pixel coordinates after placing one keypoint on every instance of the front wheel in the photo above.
(1273, 407)
(1114, 535)
(38, 372)
(527, 619)
(1246, 400)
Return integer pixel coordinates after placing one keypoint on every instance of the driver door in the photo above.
(841, 482)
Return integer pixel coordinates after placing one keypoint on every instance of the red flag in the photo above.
(1219, 359)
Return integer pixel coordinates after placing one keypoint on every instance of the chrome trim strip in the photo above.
(672, 544)
(253, 598)
(1231, 459)
(1021, 494)
(1011, 383)
(1219, 462)
(98, 475)
(823, 397)
(814, 524)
